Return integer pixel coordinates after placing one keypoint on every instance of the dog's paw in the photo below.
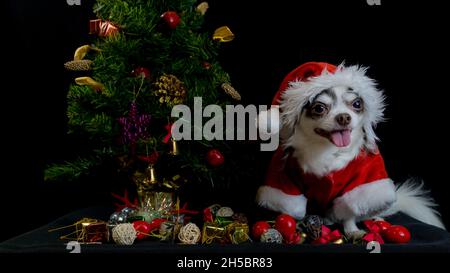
(355, 235)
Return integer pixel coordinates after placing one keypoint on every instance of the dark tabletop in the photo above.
(425, 238)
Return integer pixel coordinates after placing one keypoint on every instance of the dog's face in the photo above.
(333, 116)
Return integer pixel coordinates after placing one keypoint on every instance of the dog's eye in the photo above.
(318, 109)
(357, 104)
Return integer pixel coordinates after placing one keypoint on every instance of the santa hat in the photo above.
(308, 80)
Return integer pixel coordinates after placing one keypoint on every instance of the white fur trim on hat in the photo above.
(365, 200)
(299, 93)
(276, 200)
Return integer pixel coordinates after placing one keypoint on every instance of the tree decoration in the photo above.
(81, 52)
(223, 34)
(80, 65)
(102, 28)
(141, 72)
(135, 125)
(231, 91)
(90, 82)
(202, 8)
(170, 90)
(215, 158)
(171, 19)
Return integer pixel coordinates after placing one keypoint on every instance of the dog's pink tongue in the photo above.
(341, 138)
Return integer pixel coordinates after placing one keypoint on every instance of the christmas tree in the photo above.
(147, 57)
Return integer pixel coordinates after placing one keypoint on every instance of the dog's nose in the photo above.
(343, 119)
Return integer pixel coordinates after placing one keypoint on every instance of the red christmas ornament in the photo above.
(259, 228)
(294, 238)
(206, 65)
(142, 229)
(286, 225)
(382, 225)
(171, 18)
(397, 235)
(141, 72)
(215, 158)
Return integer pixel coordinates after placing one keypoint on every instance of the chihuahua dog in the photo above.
(329, 162)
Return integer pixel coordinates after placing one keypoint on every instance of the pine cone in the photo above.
(79, 65)
(170, 90)
(231, 91)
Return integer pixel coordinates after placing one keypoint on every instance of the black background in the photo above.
(403, 45)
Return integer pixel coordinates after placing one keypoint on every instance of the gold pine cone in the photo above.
(231, 91)
(79, 65)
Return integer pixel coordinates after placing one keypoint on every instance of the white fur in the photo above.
(277, 200)
(364, 201)
(268, 122)
(415, 201)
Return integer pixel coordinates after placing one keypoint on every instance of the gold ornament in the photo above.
(87, 230)
(212, 233)
(223, 34)
(170, 90)
(78, 65)
(174, 147)
(238, 233)
(202, 8)
(81, 52)
(338, 241)
(90, 82)
(231, 91)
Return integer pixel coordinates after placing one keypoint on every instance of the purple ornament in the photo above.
(134, 126)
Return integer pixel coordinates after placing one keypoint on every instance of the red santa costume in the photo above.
(362, 186)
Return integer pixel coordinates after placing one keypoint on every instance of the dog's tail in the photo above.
(415, 201)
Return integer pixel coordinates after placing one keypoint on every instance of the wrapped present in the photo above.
(212, 233)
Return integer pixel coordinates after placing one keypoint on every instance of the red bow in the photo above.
(151, 159)
(168, 127)
(374, 232)
(207, 215)
(327, 236)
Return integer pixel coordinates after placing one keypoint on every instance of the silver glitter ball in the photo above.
(272, 236)
(313, 226)
(121, 218)
(113, 218)
(128, 211)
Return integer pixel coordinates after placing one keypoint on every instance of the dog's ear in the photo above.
(374, 102)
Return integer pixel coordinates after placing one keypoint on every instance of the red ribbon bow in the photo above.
(328, 236)
(168, 127)
(374, 232)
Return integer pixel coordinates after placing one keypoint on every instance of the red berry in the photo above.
(397, 235)
(215, 158)
(286, 225)
(142, 229)
(259, 228)
(171, 18)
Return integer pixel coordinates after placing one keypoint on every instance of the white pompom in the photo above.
(269, 122)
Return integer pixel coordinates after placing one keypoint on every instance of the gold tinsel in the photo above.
(170, 90)
(231, 91)
(78, 65)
